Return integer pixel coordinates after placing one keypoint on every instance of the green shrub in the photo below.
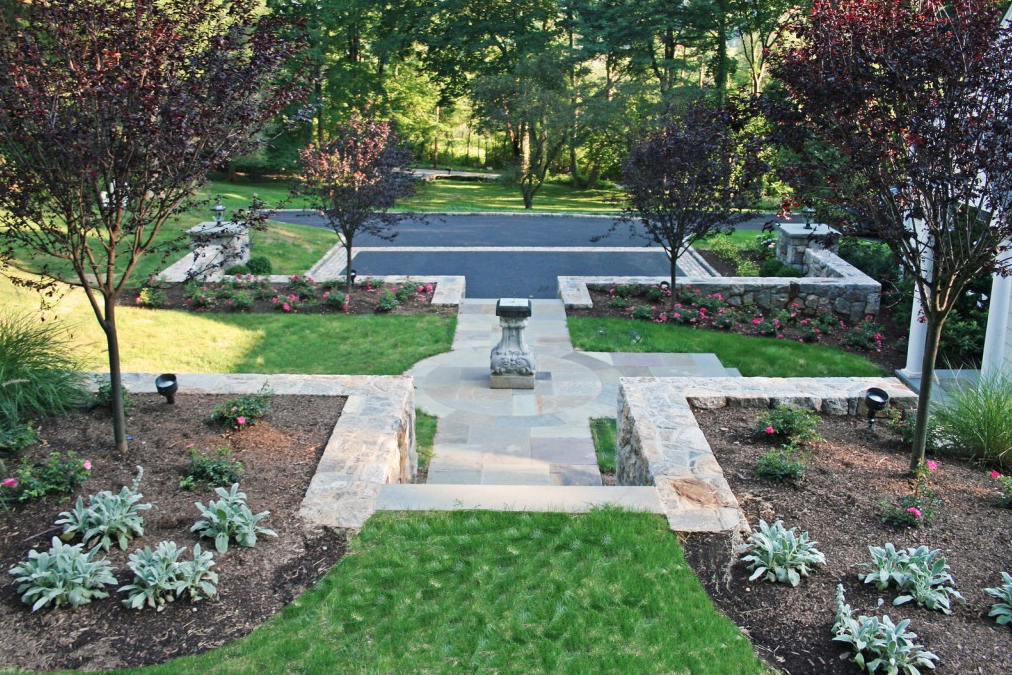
(103, 396)
(217, 470)
(152, 297)
(975, 421)
(866, 336)
(772, 267)
(387, 302)
(780, 465)
(199, 295)
(244, 411)
(336, 300)
(917, 508)
(39, 374)
(871, 257)
(643, 313)
(237, 269)
(15, 436)
(260, 265)
(33, 480)
(404, 293)
(790, 424)
(242, 301)
(63, 574)
(302, 285)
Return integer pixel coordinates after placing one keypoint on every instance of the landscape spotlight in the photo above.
(876, 401)
(167, 385)
(808, 212)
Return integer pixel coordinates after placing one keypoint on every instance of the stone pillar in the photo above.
(513, 364)
(918, 329)
(997, 357)
(794, 238)
(216, 247)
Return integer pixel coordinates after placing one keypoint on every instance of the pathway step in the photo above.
(540, 498)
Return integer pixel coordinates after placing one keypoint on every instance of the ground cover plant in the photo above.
(470, 196)
(603, 431)
(837, 502)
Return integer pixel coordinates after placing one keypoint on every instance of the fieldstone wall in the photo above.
(661, 444)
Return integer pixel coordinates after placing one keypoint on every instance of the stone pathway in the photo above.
(529, 437)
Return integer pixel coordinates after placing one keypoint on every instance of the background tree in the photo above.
(111, 114)
(354, 180)
(689, 179)
(902, 110)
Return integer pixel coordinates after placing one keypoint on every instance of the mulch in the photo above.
(838, 502)
(280, 455)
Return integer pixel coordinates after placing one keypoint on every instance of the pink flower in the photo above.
(932, 465)
(10, 482)
(916, 511)
(770, 430)
(995, 474)
(287, 307)
(87, 465)
(241, 420)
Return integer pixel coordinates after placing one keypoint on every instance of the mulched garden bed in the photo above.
(280, 455)
(302, 295)
(890, 355)
(837, 502)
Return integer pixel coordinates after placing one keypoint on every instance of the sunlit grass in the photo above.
(604, 431)
(448, 195)
(168, 340)
(752, 356)
(508, 593)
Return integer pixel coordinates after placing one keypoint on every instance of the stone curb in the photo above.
(660, 442)
(372, 443)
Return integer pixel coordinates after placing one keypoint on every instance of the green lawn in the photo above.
(469, 592)
(753, 356)
(449, 195)
(604, 431)
(177, 341)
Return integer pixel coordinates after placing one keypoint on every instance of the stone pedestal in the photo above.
(793, 239)
(216, 247)
(513, 364)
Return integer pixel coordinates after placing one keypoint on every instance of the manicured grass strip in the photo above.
(156, 341)
(604, 430)
(292, 249)
(488, 592)
(425, 436)
(449, 195)
(753, 356)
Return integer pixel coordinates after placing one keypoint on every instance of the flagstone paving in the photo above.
(529, 437)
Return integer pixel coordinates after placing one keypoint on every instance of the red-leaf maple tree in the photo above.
(111, 114)
(901, 113)
(355, 178)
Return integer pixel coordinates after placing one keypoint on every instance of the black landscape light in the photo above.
(167, 385)
(219, 211)
(876, 401)
(664, 286)
(808, 212)
(353, 275)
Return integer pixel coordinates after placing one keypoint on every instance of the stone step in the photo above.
(542, 498)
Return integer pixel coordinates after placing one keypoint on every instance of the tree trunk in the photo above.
(593, 176)
(931, 341)
(572, 165)
(673, 260)
(115, 375)
(435, 142)
(347, 266)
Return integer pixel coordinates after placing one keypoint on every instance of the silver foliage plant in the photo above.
(1002, 610)
(880, 644)
(161, 577)
(63, 574)
(920, 574)
(230, 519)
(108, 517)
(779, 554)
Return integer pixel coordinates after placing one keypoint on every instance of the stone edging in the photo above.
(373, 443)
(660, 443)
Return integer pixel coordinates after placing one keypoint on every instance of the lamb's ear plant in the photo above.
(108, 517)
(160, 577)
(63, 574)
(880, 643)
(779, 554)
(1002, 611)
(920, 574)
(230, 519)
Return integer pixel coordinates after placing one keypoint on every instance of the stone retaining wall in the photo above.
(832, 283)
(373, 443)
(660, 443)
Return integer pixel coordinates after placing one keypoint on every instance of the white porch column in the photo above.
(996, 338)
(918, 329)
